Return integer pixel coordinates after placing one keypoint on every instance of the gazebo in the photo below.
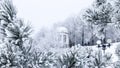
(62, 37)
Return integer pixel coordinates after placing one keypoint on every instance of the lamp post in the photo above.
(109, 42)
(99, 43)
(104, 45)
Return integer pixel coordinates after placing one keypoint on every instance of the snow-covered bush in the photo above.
(74, 57)
(100, 60)
(16, 53)
(118, 51)
(43, 60)
(67, 60)
(8, 58)
(117, 64)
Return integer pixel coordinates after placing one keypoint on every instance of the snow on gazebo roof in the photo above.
(62, 30)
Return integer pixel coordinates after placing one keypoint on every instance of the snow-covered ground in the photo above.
(110, 50)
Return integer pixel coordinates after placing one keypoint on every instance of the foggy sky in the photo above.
(46, 12)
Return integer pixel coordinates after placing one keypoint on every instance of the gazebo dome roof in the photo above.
(62, 30)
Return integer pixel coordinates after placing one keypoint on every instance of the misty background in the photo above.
(44, 13)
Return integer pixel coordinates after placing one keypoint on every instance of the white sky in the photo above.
(46, 12)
